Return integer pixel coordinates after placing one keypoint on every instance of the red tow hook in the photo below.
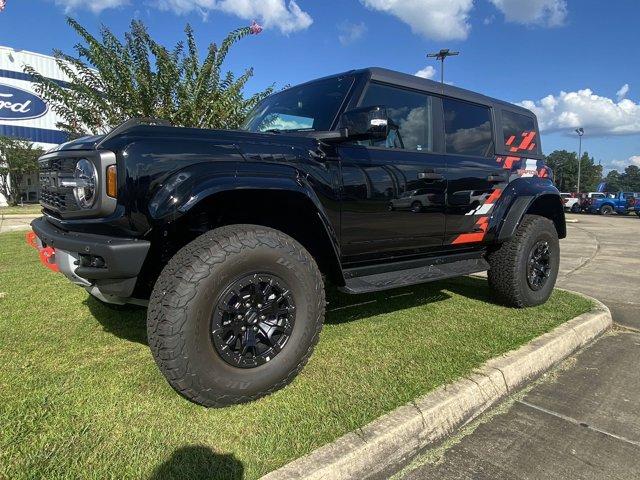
(48, 258)
(47, 254)
(32, 239)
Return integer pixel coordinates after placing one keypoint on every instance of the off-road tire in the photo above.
(606, 210)
(508, 263)
(184, 298)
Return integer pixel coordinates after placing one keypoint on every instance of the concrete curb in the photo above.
(400, 434)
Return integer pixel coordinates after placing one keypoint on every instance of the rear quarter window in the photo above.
(519, 132)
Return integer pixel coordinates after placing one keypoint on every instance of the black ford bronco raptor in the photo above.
(370, 179)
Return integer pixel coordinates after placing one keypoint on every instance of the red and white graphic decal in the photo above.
(519, 167)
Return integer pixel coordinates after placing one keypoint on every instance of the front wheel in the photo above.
(606, 210)
(575, 208)
(235, 315)
(523, 270)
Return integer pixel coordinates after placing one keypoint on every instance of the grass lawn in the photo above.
(28, 209)
(80, 396)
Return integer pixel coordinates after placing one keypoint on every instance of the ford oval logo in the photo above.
(18, 104)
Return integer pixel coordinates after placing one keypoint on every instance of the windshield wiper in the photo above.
(291, 130)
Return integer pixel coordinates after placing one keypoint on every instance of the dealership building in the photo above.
(23, 114)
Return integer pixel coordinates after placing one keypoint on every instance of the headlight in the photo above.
(86, 182)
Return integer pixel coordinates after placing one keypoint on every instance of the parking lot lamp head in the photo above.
(442, 55)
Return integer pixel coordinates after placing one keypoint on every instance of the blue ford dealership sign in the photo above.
(18, 104)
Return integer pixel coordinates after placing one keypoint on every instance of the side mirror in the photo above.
(367, 123)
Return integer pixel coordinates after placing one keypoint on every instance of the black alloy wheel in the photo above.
(253, 320)
(539, 265)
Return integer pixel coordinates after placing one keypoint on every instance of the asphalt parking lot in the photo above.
(581, 421)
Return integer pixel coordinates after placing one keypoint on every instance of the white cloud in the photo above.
(622, 93)
(96, 6)
(550, 13)
(284, 15)
(426, 72)
(351, 32)
(620, 165)
(435, 19)
(596, 114)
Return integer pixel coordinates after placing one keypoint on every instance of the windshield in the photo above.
(312, 106)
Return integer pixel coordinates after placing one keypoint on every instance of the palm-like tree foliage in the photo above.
(112, 81)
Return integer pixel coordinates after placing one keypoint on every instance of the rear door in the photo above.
(393, 190)
(472, 171)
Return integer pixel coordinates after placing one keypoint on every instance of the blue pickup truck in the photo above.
(621, 203)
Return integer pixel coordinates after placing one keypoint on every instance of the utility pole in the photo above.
(441, 55)
(580, 132)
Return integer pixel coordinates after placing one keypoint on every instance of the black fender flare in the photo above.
(188, 188)
(525, 195)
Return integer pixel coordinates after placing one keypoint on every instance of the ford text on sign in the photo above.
(18, 104)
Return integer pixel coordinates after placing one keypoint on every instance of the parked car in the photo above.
(571, 202)
(621, 203)
(230, 235)
(586, 200)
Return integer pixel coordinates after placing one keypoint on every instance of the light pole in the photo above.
(580, 132)
(441, 55)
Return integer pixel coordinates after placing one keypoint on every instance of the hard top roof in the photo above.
(430, 86)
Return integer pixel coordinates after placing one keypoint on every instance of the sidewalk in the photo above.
(10, 223)
(582, 421)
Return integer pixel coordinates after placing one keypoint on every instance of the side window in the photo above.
(516, 129)
(410, 114)
(467, 128)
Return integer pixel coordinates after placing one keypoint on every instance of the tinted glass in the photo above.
(410, 115)
(313, 106)
(515, 128)
(467, 128)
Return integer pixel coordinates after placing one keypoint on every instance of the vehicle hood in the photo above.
(152, 132)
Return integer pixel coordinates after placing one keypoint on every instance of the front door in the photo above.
(393, 191)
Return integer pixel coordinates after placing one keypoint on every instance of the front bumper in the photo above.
(107, 267)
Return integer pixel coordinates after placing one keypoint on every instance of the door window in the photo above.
(468, 128)
(410, 117)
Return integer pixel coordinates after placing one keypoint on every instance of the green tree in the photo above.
(565, 167)
(613, 181)
(631, 178)
(112, 81)
(17, 159)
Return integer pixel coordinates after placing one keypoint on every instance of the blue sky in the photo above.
(577, 55)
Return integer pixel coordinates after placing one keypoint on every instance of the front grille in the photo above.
(52, 196)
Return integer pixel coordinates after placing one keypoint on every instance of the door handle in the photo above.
(430, 176)
(498, 177)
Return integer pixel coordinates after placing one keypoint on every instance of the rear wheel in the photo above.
(416, 207)
(606, 210)
(575, 208)
(235, 315)
(523, 270)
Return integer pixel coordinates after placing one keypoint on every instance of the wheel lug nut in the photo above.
(247, 305)
(239, 317)
(259, 305)
(262, 317)
(243, 328)
(255, 329)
